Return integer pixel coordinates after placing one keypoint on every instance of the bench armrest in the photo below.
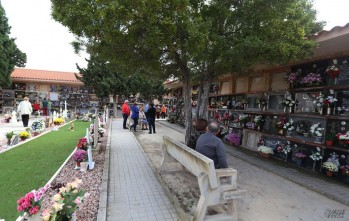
(226, 178)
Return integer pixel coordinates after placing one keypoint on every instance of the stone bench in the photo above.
(217, 186)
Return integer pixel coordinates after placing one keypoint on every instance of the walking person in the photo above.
(44, 106)
(125, 109)
(25, 109)
(49, 106)
(151, 113)
(135, 116)
(158, 111)
(163, 111)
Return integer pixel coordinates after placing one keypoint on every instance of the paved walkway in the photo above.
(330, 188)
(134, 193)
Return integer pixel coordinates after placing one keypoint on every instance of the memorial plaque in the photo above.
(252, 102)
(343, 102)
(305, 101)
(343, 77)
(302, 128)
(275, 102)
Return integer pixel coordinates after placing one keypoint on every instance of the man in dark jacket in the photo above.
(151, 113)
(211, 146)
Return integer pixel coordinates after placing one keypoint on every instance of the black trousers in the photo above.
(125, 116)
(135, 123)
(151, 122)
(25, 119)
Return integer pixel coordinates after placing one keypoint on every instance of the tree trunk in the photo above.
(187, 105)
(201, 108)
(115, 106)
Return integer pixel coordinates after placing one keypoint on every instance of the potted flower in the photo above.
(284, 149)
(233, 138)
(66, 202)
(329, 138)
(58, 121)
(288, 127)
(293, 77)
(329, 102)
(24, 135)
(8, 118)
(258, 120)
(79, 156)
(319, 103)
(298, 158)
(343, 138)
(9, 136)
(243, 119)
(37, 127)
(317, 131)
(289, 103)
(333, 70)
(280, 124)
(265, 151)
(262, 102)
(316, 156)
(30, 204)
(330, 168)
(311, 79)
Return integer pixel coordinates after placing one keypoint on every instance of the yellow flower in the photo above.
(57, 197)
(57, 206)
(62, 190)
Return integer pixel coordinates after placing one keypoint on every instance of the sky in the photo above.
(47, 43)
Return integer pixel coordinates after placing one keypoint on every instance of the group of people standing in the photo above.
(147, 116)
(25, 108)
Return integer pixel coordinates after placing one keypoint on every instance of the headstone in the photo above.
(14, 117)
(95, 131)
(54, 115)
(91, 164)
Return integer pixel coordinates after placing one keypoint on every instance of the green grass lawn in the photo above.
(32, 164)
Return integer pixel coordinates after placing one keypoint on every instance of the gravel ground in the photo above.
(91, 182)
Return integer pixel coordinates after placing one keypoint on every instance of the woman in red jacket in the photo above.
(125, 109)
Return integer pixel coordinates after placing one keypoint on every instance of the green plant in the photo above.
(9, 135)
(330, 136)
(66, 202)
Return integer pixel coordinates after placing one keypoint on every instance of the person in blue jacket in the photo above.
(134, 116)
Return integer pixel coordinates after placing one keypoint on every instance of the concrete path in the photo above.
(330, 188)
(134, 193)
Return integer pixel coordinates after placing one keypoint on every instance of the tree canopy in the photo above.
(10, 55)
(191, 38)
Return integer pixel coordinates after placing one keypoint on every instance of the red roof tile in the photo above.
(22, 73)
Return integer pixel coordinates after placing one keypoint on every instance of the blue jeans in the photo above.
(151, 122)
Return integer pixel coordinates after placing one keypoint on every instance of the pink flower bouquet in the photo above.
(31, 202)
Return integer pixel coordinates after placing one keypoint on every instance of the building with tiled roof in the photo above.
(56, 86)
(30, 75)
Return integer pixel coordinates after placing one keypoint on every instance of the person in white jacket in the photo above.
(25, 109)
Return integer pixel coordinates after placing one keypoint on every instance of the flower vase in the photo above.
(35, 217)
(321, 110)
(288, 133)
(329, 173)
(314, 164)
(298, 161)
(264, 155)
(329, 110)
(329, 143)
(285, 109)
(290, 109)
(245, 106)
(263, 108)
(8, 142)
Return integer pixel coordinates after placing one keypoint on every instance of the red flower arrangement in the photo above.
(31, 202)
(281, 122)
